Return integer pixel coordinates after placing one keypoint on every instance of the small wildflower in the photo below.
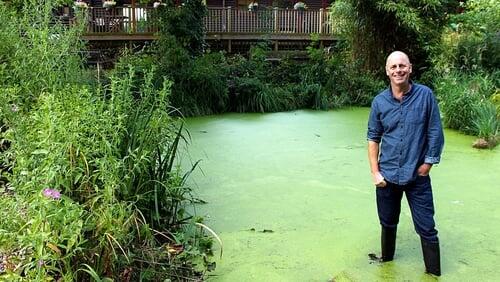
(51, 193)
(41, 263)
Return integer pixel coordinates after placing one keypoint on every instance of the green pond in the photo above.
(290, 196)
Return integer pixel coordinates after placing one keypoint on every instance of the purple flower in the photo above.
(51, 193)
(41, 263)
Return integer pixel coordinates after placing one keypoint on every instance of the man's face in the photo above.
(398, 69)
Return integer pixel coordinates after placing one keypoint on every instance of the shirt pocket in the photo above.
(416, 115)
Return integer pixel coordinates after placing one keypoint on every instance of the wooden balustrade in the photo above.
(138, 20)
(273, 21)
(141, 20)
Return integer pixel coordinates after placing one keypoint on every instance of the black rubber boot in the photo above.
(432, 258)
(388, 241)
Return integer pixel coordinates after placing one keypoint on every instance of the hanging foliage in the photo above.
(374, 28)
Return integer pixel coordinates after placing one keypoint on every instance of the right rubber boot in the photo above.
(432, 258)
(388, 242)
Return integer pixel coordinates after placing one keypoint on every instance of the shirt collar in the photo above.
(406, 95)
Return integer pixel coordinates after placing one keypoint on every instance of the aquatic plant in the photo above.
(486, 125)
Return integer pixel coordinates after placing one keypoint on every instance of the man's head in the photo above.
(398, 68)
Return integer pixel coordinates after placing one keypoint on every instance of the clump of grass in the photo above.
(486, 125)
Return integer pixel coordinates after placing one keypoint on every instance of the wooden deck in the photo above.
(138, 23)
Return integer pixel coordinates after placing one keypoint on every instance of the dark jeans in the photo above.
(419, 196)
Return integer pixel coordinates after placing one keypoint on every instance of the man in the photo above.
(405, 138)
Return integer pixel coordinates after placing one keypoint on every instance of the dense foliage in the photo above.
(89, 184)
(465, 70)
(373, 29)
(90, 187)
(454, 47)
(216, 83)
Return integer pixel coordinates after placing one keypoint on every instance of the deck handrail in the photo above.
(223, 20)
(273, 21)
(121, 20)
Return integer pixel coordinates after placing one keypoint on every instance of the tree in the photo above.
(374, 28)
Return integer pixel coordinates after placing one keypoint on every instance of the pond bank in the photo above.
(304, 176)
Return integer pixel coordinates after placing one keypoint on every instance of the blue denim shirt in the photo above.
(409, 131)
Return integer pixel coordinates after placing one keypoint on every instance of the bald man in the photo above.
(405, 139)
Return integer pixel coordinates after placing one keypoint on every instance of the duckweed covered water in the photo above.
(290, 196)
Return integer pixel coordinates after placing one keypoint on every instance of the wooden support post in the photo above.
(229, 46)
(276, 19)
(228, 19)
(320, 24)
(276, 45)
(134, 22)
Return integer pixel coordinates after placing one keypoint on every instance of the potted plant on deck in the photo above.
(79, 4)
(108, 4)
(158, 4)
(300, 6)
(253, 6)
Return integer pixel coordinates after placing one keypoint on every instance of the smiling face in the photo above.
(398, 69)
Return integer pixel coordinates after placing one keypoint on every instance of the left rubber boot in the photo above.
(432, 257)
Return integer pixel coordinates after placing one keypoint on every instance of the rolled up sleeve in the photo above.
(375, 128)
(435, 136)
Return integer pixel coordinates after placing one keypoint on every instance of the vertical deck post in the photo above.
(276, 19)
(134, 22)
(229, 21)
(320, 23)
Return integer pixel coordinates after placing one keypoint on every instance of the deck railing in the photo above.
(141, 20)
(137, 20)
(281, 21)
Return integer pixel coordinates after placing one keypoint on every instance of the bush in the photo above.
(471, 40)
(459, 96)
(112, 157)
(347, 85)
(248, 95)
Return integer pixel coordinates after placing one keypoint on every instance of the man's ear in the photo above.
(411, 69)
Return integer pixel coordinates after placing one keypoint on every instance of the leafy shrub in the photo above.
(471, 40)
(248, 95)
(185, 24)
(373, 29)
(479, 40)
(40, 54)
(199, 83)
(112, 157)
(347, 85)
(459, 95)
